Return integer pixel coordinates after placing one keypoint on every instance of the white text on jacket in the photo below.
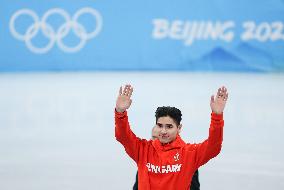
(163, 169)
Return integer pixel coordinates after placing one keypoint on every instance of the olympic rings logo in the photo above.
(56, 36)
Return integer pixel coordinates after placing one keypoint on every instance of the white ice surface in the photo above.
(57, 129)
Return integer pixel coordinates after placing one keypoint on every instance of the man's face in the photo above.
(166, 129)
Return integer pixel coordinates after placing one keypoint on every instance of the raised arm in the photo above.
(123, 132)
(212, 146)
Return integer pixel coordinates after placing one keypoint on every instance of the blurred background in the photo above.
(62, 63)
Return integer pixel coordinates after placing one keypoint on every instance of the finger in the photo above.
(120, 91)
(130, 102)
(130, 91)
(127, 87)
(225, 97)
(219, 90)
(212, 99)
(219, 93)
(124, 90)
(224, 90)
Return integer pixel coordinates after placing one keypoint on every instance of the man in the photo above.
(168, 163)
(195, 185)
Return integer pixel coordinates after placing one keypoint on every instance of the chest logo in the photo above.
(176, 157)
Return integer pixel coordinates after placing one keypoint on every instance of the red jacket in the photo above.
(168, 166)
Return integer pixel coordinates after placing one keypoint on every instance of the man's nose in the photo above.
(163, 130)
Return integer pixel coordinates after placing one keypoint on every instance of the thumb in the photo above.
(120, 91)
(130, 102)
(212, 99)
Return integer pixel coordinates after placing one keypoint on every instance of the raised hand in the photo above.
(123, 100)
(218, 103)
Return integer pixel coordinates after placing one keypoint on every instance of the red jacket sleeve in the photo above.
(212, 146)
(125, 136)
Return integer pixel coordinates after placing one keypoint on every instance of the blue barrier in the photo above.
(185, 35)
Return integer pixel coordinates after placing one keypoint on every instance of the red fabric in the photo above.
(170, 166)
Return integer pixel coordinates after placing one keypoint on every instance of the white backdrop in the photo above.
(57, 129)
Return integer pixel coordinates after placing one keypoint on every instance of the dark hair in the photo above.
(172, 112)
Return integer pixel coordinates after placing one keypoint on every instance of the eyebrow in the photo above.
(165, 124)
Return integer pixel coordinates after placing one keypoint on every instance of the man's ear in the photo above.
(179, 128)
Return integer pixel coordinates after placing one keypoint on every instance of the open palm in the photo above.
(123, 100)
(218, 103)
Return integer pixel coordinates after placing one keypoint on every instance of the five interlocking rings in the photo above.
(58, 35)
